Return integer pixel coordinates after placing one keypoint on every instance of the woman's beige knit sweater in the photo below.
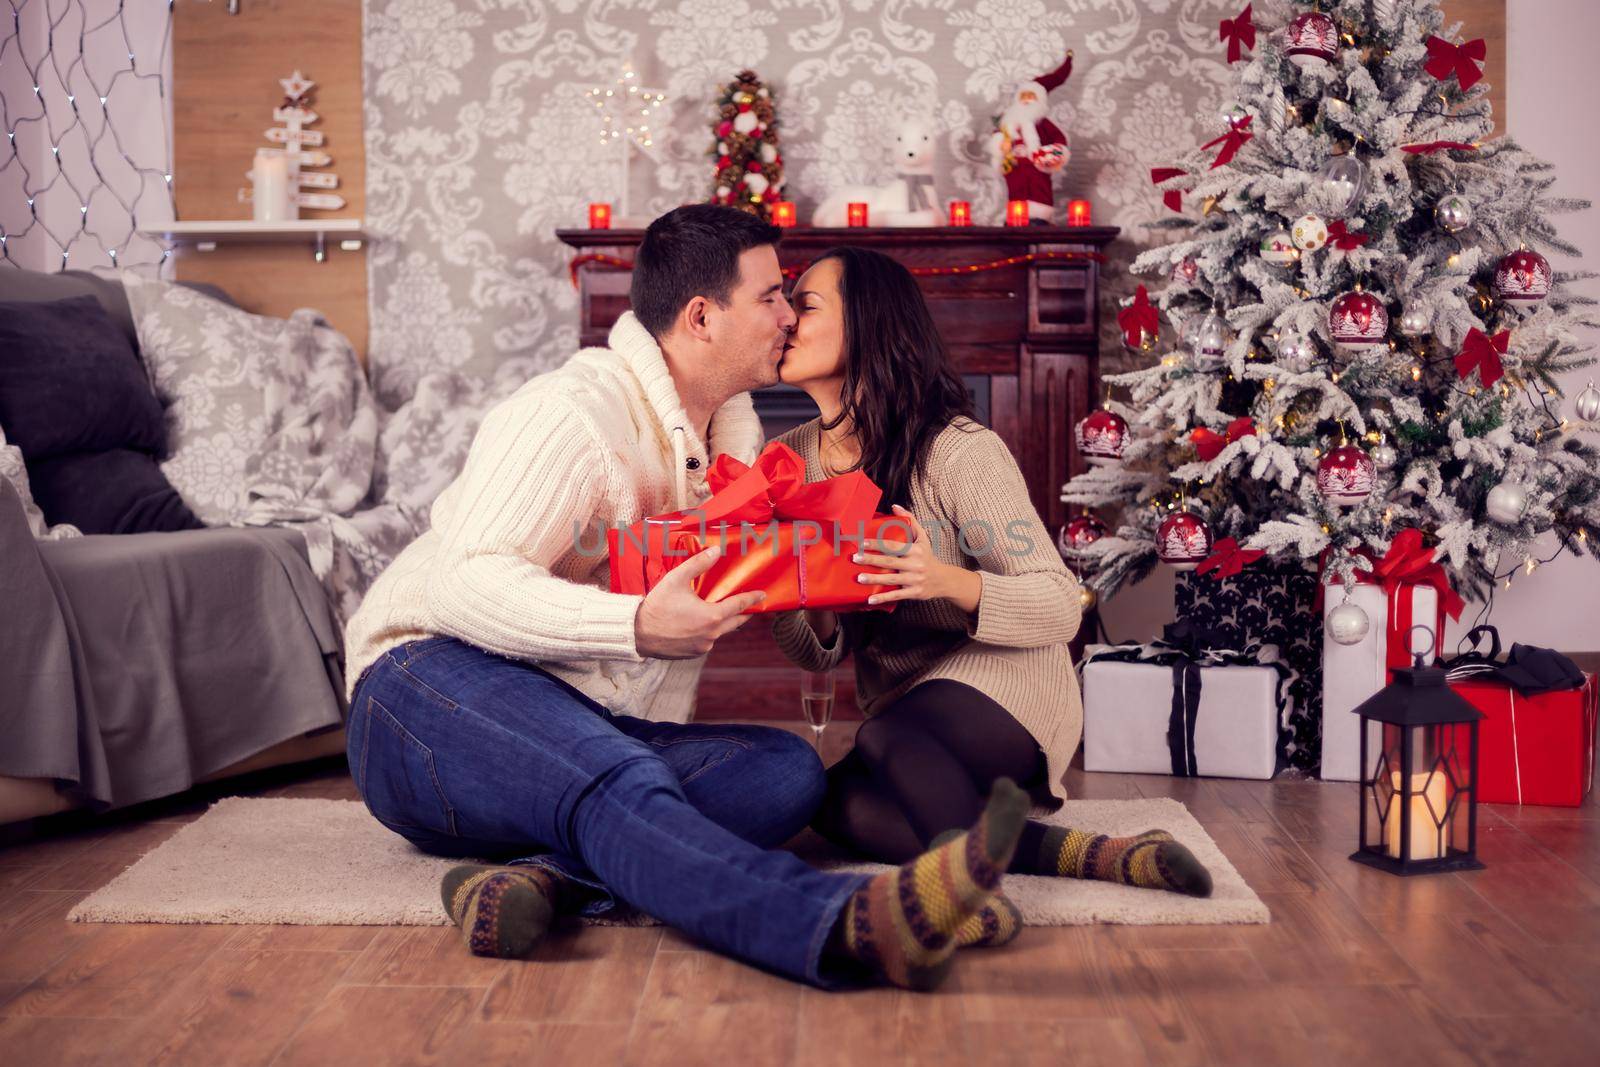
(1015, 650)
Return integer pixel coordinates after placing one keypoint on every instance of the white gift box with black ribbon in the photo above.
(1149, 711)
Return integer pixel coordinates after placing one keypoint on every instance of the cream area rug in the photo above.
(307, 862)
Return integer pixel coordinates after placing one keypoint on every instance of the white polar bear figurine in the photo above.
(908, 200)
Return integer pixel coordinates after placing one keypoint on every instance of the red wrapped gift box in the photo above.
(1535, 749)
(779, 534)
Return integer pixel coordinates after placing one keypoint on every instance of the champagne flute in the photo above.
(816, 700)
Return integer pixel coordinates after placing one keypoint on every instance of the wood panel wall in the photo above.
(226, 70)
(1486, 19)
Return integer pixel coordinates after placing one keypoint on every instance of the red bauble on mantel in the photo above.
(1311, 39)
(1358, 321)
(1346, 476)
(1183, 540)
(1522, 278)
(1080, 533)
(1101, 437)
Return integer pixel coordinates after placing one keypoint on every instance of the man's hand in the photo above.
(674, 623)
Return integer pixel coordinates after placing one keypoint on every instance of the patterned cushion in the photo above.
(15, 471)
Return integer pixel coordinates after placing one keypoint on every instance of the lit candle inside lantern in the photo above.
(783, 214)
(1078, 213)
(858, 214)
(599, 216)
(1427, 802)
(1016, 213)
(960, 213)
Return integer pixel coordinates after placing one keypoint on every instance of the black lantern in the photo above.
(1419, 797)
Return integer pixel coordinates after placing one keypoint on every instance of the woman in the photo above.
(969, 680)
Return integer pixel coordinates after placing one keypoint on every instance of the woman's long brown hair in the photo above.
(900, 389)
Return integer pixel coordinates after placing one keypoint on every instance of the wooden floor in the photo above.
(1494, 967)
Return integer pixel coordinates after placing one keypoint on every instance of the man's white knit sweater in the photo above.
(515, 559)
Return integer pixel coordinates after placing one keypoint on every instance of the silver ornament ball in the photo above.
(1347, 624)
(1414, 322)
(1384, 456)
(1296, 353)
(1210, 339)
(1453, 213)
(1506, 503)
(1587, 404)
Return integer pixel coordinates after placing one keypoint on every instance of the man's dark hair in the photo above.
(688, 252)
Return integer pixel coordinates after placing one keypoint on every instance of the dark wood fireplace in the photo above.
(1019, 308)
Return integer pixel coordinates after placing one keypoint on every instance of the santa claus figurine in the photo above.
(1028, 148)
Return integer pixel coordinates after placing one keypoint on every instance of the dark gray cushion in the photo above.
(71, 382)
(111, 492)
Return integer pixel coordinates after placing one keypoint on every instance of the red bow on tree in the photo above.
(1408, 563)
(1139, 317)
(1231, 142)
(1208, 444)
(1240, 33)
(1445, 59)
(1430, 147)
(1345, 240)
(1173, 198)
(1228, 559)
(1483, 352)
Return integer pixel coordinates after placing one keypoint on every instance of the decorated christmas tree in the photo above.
(749, 168)
(1359, 332)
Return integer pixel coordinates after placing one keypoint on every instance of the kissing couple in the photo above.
(506, 706)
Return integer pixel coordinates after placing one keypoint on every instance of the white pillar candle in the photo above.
(269, 180)
(1427, 802)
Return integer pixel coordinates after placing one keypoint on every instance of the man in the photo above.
(506, 703)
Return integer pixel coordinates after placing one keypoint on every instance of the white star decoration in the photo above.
(625, 109)
(296, 85)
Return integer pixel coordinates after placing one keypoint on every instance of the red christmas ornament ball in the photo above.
(1101, 437)
(1346, 476)
(754, 166)
(1522, 277)
(1310, 39)
(724, 128)
(1358, 320)
(1079, 533)
(1183, 540)
(743, 108)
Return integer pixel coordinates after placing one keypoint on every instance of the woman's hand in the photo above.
(915, 572)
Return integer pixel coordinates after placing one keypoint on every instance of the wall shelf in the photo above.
(206, 234)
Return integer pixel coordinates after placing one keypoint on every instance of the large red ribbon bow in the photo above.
(774, 488)
(1139, 317)
(1208, 444)
(1483, 352)
(1173, 198)
(1408, 562)
(1228, 559)
(1344, 239)
(1231, 142)
(1240, 33)
(1428, 148)
(1445, 59)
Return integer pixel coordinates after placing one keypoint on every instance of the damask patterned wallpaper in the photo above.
(481, 142)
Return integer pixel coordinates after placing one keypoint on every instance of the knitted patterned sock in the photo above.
(1151, 860)
(502, 911)
(903, 923)
(997, 924)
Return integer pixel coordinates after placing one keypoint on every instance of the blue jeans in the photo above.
(466, 753)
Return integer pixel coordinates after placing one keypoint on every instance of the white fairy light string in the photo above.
(87, 159)
(625, 110)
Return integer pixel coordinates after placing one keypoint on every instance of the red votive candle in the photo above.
(1016, 213)
(1078, 213)
(858, 214)
(783, 214)
(960, 213)
(599, 216)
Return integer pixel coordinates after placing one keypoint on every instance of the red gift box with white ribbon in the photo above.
(1534, 749)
